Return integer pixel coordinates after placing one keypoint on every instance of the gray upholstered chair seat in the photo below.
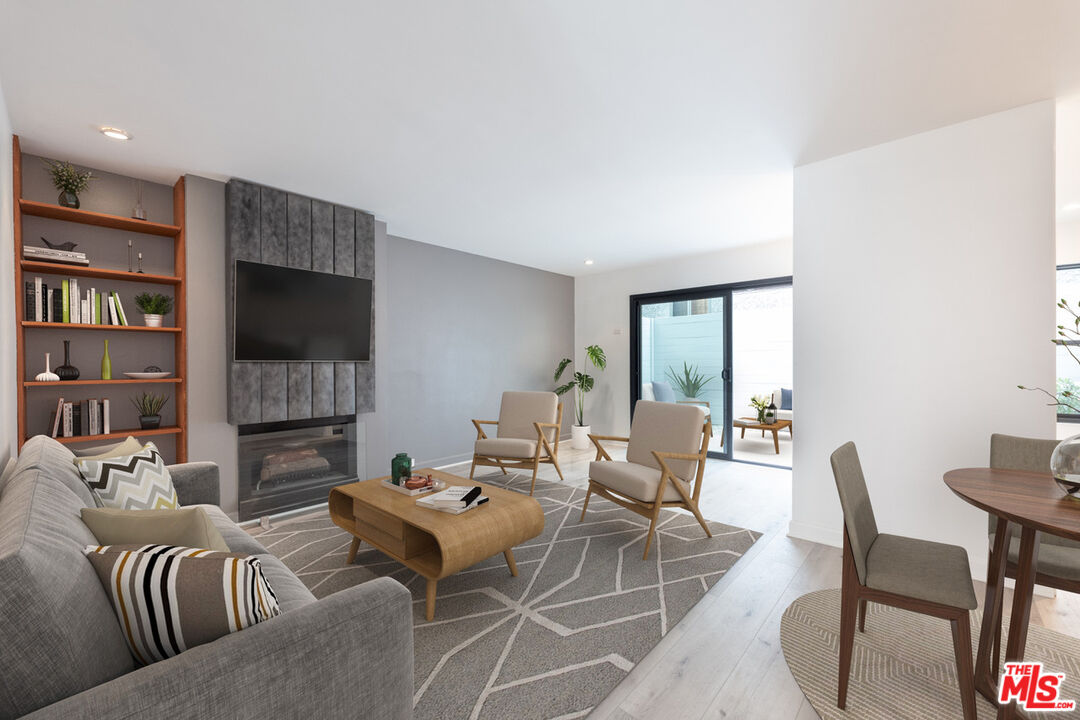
(506, 447)
(633, 480)
(1061, 561)
(921, 569)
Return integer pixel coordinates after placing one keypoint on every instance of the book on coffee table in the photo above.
(454, 500)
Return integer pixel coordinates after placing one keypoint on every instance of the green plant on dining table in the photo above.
(582, 382)
(691, 382)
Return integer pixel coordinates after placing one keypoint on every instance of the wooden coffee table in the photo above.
(433, 543)
(745, 423)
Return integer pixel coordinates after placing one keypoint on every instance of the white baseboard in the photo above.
(815, 533)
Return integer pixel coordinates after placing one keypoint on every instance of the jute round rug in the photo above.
(903, 665)
(554, 641)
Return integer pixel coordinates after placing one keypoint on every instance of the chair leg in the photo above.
(555, 462)
(965, 673)
(652, 528)
(849, 606)
(536, 466)
(588, 494)
(501, 466)
(473, 468)
(996, 656)
(862, 616)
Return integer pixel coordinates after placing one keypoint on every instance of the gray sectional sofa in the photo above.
(62, 655)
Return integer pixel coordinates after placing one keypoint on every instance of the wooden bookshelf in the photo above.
(175, 233)
(121, 434)
(47, 268)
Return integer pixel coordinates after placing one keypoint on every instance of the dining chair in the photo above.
(918, 575)
(1058, 563)
(526, 437)
(665, 462)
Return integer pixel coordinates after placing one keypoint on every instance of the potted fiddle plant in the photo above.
(581, 383)
(153, 306)
(149, 406)
(69, 181)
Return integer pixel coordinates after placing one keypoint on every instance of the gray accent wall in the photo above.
(271, 226)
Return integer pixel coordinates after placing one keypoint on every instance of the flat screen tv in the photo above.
(282, 314)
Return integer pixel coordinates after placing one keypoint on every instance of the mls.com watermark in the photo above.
(1032, 689)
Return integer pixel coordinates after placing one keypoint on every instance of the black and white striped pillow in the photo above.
(169, 599)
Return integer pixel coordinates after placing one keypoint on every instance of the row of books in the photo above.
(74, 419)
(71, 304)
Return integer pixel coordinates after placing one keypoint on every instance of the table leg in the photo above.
(742, 434)
(509, 555)
(1021, 610)
(985, 680)
(775, 441)
(430, 611)
(352, 551)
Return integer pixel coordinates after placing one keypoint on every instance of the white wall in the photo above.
(602, 313)
(924, 293)
(8, 398)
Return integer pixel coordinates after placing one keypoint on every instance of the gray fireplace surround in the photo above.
(268, 225)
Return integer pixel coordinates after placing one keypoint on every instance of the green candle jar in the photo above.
(400, 468)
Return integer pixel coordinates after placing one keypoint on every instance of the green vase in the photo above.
(400, 468)
(106, 364)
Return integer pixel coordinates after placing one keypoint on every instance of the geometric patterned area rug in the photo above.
(554, 641)
(903, 666)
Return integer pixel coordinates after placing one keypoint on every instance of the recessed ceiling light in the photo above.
(115, 133)
(588, 261)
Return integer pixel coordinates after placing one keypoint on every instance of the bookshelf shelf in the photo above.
(25, 268)
(119, 435)
(124, 381)
(46, 268)
(87, 326)
(86, 217)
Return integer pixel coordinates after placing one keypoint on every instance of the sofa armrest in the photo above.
(348, 655)
(196, 483)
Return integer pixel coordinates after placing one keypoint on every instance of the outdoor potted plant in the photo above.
(691, 382)
(69, 181)
(154, 307)
(583, 383)
(761, 404)
(149, 406)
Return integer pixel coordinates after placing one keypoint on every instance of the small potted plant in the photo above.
(583, 383)
(149, 406)
(691, 382)
(154, 307)
(761, 404)
(69, 181)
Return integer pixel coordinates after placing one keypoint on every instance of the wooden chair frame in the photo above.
(853, 598)
(652, 509)
(545, 451)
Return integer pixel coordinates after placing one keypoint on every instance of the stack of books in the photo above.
(70, 303)
(75, 419)
(44, 254)
(454, 500)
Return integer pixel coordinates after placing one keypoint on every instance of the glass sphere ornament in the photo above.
(1065, 466)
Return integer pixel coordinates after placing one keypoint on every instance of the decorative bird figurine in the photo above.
(48, 375)
(68, 246)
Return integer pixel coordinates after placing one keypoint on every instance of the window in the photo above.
(1068, 369)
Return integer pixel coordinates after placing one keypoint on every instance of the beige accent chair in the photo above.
(665, 461)
(528, 434)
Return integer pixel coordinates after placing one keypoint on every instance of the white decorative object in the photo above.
(579, 436)
(152, 320)
(48, 375)
(148, 375)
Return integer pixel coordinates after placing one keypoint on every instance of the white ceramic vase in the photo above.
(152, 320)
(579, 436)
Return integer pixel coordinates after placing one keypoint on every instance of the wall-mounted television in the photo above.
(283, 314)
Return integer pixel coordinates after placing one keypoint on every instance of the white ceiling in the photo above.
(536, 132)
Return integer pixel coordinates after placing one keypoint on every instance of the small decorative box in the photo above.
(406, 491)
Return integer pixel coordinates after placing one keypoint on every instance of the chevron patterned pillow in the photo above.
(134, 482)
(197, 595)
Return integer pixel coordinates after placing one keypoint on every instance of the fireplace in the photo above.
(293, 464)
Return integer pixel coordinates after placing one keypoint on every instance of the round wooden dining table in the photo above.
(1032, 502)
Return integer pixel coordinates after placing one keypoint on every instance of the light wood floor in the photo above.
(724, 659)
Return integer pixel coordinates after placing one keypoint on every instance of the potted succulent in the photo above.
(149, 406)
(691, 382)
(583, 383)
(69, 181)
(154, 307)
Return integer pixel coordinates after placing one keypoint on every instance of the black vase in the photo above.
(68, 199)
(67, 371)
(149, 422)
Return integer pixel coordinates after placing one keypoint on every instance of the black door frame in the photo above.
(696, 293)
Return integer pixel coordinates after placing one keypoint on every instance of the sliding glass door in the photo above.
(682, 353)
(722, 348)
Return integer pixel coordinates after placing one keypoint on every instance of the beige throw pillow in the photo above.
(130, 446)
(186, 527)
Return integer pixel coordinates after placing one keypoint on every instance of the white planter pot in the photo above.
(579, 436)
(152, 320)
